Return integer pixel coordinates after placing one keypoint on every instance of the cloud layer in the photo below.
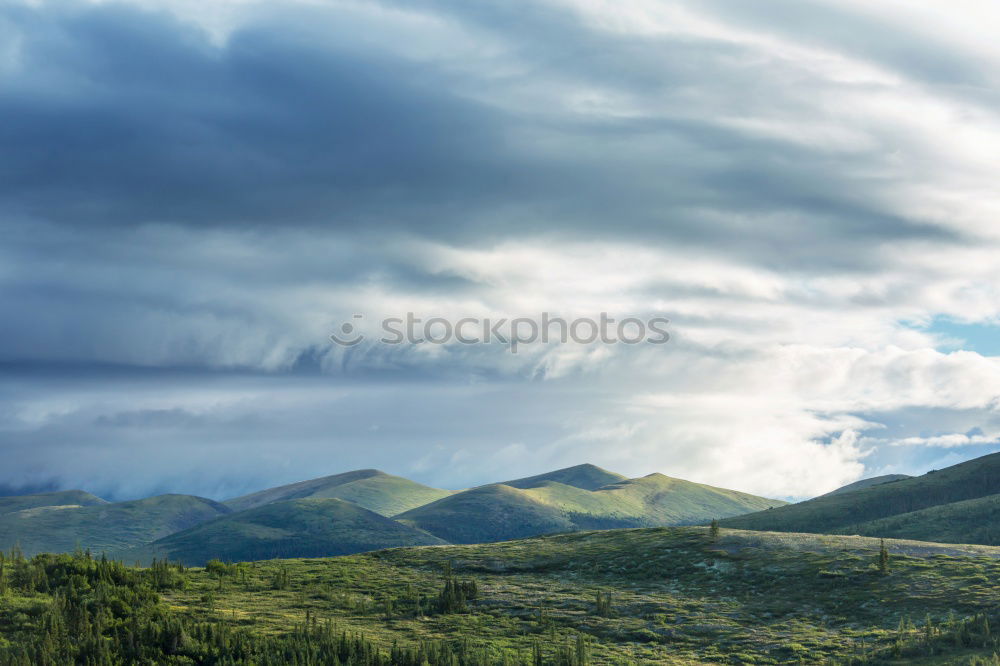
(194, 199)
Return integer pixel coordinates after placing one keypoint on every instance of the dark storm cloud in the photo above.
(173, 198)
(117, 116)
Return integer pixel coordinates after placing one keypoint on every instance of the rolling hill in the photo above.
(905, 508)
(673, 596)
(489, 513)
(293, 528)
(680, 595)
(371, 489)
(61, 498)
(103, 527)
(500, 511)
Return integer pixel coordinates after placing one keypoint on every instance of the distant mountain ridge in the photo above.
(369, 509)
(312, 527)
(60, 498)
(371, 489)
(867, 483)
(360, 510)
(943, 505)
(104, 527)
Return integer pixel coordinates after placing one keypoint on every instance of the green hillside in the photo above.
(103, 527)
(845, 512)
(293, 528)
(663, 500)
(489, 513)
(867, 483)
(646, 596)
(61, 498)
(970, 521)
(499, 512)
(369, 488)
(586, 476)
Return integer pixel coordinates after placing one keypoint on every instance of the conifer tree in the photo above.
(582, 651)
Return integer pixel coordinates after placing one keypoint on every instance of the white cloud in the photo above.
(947, 441)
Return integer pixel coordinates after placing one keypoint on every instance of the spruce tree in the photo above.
(883, 558)
(582, 651)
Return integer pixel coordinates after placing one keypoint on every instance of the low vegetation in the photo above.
(663, 595)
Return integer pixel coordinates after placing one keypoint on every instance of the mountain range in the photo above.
(367, 509)
(359, 511)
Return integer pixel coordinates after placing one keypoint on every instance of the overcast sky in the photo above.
(192, 199)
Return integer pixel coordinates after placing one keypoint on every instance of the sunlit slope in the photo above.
(665, 500)
(369, 488)
(104, 527)
(491, 513)
(294, 528)
(499, 511)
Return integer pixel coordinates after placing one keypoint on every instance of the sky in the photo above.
(194, 196)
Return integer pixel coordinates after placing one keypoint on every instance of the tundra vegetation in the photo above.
(680, 595)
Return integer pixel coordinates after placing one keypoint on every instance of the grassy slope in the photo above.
(499, 512)
(294, 528)
(586, 476)
(104, 527)
(666, 500)
(374, 490)
(971, 521)
(489, 513)
(678, 597)
(833, 513)
(867, 483)
(61, 498)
